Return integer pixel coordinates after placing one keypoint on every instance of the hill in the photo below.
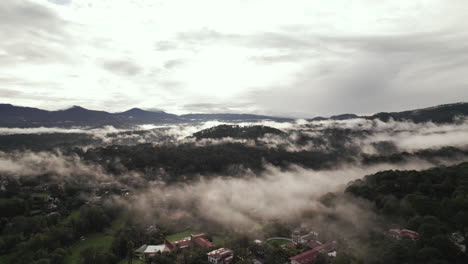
(439, 114)
(233, 131)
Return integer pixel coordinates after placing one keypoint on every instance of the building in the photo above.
(193, 240)
(199, 240)
(150, 250)
(401, 233)
(220, 256)
(310, 255)
(313, 244)
(305, 257)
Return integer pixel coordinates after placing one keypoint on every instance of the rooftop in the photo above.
(154, 249)
(305, 257)
(220, 253)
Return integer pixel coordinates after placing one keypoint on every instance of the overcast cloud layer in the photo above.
(295, 58)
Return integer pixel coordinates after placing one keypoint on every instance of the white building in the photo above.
(221, 256)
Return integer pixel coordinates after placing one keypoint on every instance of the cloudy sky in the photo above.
(299, 58)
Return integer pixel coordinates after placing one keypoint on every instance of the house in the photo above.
(193, 240)
(400, 233)
(327, 247)
(220, 256)
(168, 246)
(201, 241)
(313, 244)
(150, 250)
(310, 255)
(305, 257)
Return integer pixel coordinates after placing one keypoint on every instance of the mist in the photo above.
(291, 195)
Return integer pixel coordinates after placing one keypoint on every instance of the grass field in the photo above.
(218, 241)
(118, 224)
(279, 242)
(98, 240)
(179, 236)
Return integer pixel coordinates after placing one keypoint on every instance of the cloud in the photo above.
(32, 33)
(215, 107)
(171, 64)
(405, 69)
(319, 58)
(54, 163)
(165, 45)
(122, 67)
(60, 2)
(240, 203)
(207, 36)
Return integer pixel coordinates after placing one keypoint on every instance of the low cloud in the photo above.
(241, 203)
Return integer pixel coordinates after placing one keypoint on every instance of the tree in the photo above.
(130, 247)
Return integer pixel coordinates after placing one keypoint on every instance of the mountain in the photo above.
(17, 116)
(446, 113)
(140, 116)
(11, 115)
(81, 116)
(439, 114)
(335, 117)
(344, 117)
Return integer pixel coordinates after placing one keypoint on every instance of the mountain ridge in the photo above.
(21, 116)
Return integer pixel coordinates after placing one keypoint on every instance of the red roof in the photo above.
(410, 233)
(306, 257)
(180, 244)
(328, 247)
(313, 244)
(202, 242)
(404, 232)
(199, 240)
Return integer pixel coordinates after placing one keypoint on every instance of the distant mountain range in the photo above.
(17, 116)
(438, 114)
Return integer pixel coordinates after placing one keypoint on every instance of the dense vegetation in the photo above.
(439, 114)
(432, 202)
(50, 218)
(234, 131)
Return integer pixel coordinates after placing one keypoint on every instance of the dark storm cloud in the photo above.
(125, 67)
(31, 33)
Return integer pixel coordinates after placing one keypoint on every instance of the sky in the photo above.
(297, 58)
